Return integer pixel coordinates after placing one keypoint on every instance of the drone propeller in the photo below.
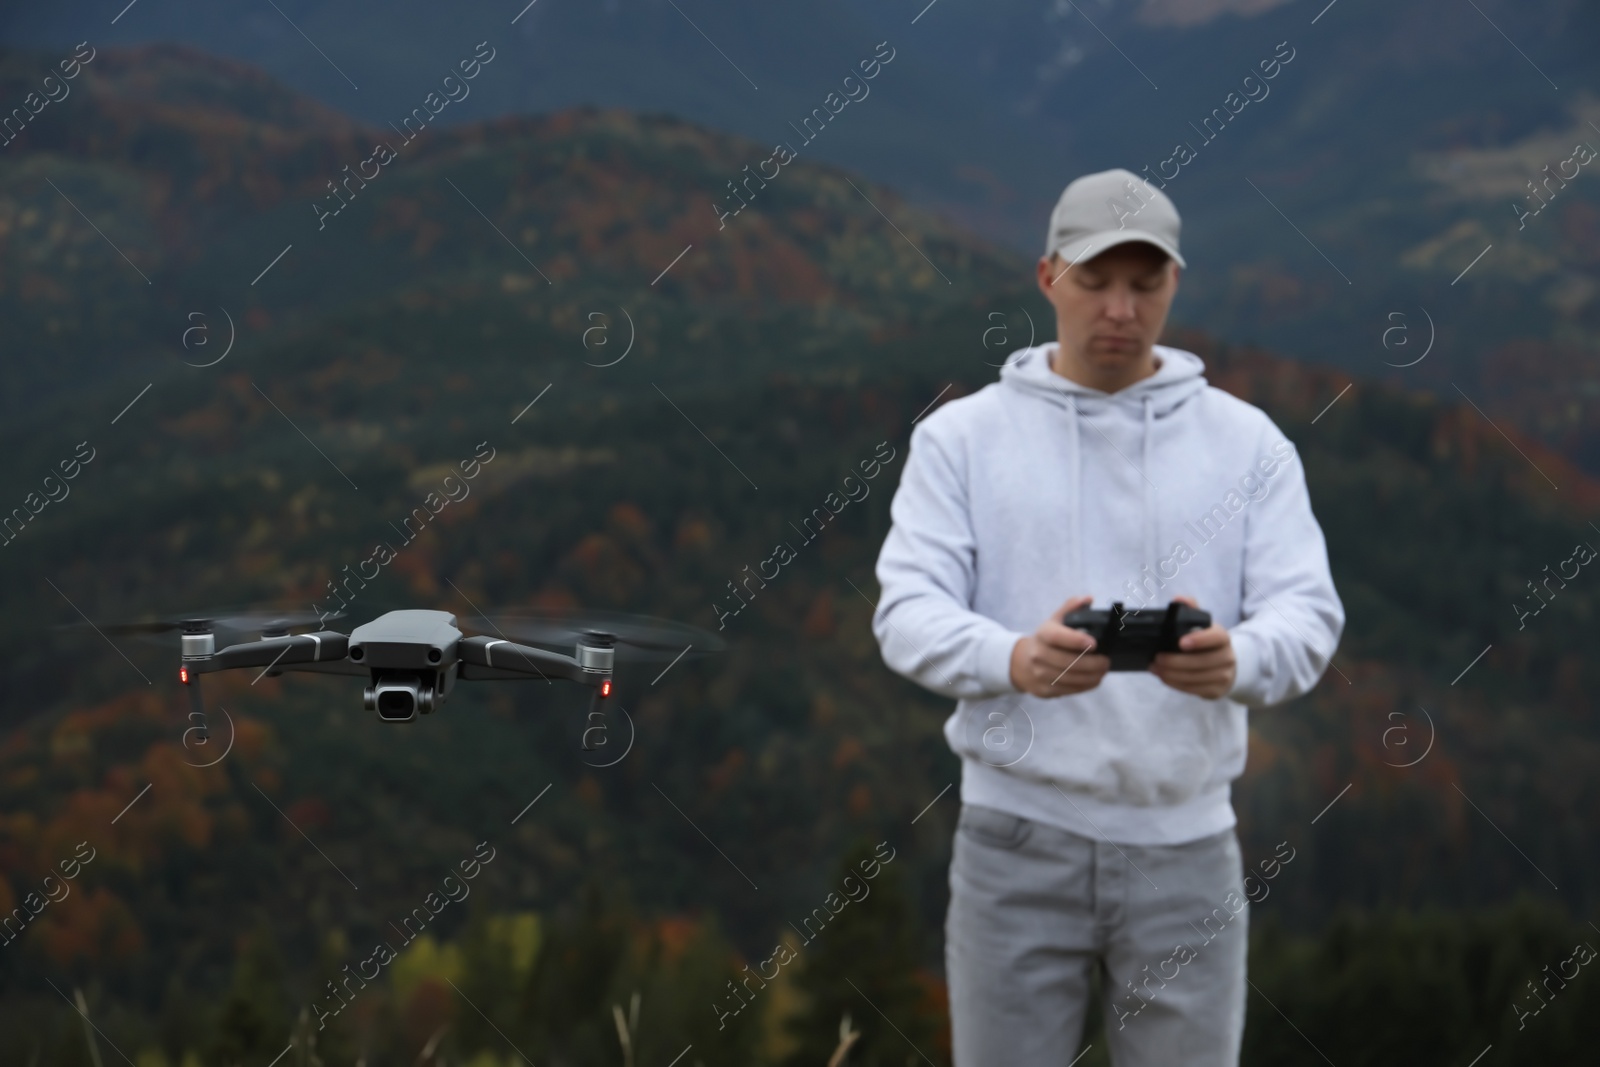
(640, 638)
(267, 621)
(244, 621)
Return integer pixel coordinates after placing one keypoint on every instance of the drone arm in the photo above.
(488, 657)
(337, 666)
(324, 647)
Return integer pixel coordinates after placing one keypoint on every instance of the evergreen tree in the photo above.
(255, 1017)
(564, 1005)
(863, 964)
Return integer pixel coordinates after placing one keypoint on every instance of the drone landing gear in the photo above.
(595, 721)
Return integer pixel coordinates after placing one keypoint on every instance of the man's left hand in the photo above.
(1206, 666)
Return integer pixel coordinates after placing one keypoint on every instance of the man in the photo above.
(1096, 826)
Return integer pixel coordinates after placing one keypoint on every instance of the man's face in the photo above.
(1110, 309)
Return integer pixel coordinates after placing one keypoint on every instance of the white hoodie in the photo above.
(1036, 489)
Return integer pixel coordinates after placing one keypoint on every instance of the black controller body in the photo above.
(1132, 638)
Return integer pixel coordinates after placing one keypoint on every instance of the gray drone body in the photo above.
(413, 659)
(412, 656)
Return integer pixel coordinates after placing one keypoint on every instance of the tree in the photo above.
(254, 1018)
(863, 964)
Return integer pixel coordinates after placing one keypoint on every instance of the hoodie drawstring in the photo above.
(1151, 549)
(1074, 432)
(1178, 378)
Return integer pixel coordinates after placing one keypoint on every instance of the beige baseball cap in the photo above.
(1112, 207)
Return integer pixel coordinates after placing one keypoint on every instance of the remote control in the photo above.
(1132, 638)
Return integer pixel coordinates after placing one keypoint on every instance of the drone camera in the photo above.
(398, 699)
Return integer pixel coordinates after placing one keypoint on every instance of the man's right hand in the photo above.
(1055, 660)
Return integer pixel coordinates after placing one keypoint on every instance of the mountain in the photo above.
(213, 185)
(1445, 761)
(1375, 176)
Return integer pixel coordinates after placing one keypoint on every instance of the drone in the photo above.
(413, 658)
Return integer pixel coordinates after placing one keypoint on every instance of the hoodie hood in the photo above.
(1178, 377)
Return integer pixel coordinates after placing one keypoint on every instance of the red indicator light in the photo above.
(183, 675)
(605, 688)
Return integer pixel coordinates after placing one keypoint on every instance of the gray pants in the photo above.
(1033, 908)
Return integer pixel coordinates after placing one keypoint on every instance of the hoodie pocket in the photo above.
(997, 829)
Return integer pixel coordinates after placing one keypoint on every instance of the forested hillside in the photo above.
(1439, 780)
